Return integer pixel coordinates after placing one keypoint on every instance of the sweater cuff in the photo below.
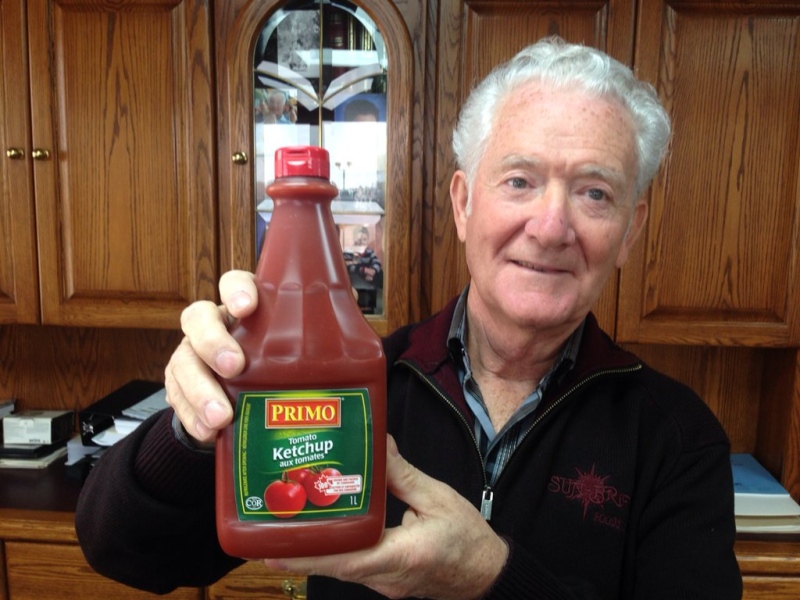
(169, 470)
(184, 438)
(523, 577)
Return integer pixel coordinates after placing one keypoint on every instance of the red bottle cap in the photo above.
(302, 161)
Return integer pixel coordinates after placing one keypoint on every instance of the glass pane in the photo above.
(320, 79)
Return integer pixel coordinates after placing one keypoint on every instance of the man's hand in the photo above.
(207, 347)
(443, 549)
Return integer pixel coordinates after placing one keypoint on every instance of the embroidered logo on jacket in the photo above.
(592, 491)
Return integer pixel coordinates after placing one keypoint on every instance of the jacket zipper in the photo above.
(487, 495)
(460, 416)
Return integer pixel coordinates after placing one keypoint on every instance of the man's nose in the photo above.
(550, 217)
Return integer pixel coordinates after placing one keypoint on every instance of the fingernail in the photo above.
(226, 361)
(240, 300)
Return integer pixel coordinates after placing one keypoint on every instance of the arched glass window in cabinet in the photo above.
(320, 78)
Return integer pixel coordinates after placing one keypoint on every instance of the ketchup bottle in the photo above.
(301, 470)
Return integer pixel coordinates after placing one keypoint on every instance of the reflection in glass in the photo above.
(320, 79)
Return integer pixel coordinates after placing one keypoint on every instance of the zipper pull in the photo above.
(486, 503)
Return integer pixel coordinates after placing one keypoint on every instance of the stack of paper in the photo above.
(30, 456)
(761, 503)
(131, 418)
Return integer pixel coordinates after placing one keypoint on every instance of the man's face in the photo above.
(552, 208)
(276, 103)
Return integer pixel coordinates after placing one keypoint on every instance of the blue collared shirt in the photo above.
(497, 446)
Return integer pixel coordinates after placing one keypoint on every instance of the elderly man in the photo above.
(529, 456)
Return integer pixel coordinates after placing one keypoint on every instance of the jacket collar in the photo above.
(427, 350)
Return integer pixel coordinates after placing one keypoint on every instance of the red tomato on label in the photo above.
(316, 484)
(285, 498)
(298, 475)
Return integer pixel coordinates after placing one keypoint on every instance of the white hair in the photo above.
(564, 66)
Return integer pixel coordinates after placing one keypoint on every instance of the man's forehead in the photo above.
(539, 120)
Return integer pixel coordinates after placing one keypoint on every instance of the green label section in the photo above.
(302, 454)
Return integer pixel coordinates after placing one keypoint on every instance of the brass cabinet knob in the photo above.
(295, 591)
(40, 154)
(15, 153)
(240, 158)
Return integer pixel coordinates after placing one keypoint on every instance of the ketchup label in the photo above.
(302, 454)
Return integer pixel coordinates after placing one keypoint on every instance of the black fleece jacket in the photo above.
(621, 488)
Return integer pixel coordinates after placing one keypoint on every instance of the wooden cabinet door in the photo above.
(19, 292)
(719, 262)
(122, 99)
(238, 24)
(473, 37)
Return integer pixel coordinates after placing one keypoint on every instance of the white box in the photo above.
(38, 427)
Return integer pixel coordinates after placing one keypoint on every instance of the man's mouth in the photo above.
(535, 267)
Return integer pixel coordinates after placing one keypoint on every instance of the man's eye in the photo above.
(517, 182)
(597, 194)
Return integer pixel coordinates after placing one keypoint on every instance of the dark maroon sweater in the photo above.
(621, 488)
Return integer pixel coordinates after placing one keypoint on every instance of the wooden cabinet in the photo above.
(718, 264)
(108, 179)
(19, 298)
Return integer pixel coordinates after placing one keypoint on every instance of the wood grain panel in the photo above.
(38, 570)
(473, 37)
(40, 525)
(770, 588)
(778, 437)
(790, 472)
(19, 290)
(719, 263)
(125, 205)
(70, 367)
(776, 556)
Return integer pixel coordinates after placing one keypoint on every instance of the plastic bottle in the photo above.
(301, 471)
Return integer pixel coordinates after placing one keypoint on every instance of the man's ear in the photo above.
(459, 197)
(634, 230)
